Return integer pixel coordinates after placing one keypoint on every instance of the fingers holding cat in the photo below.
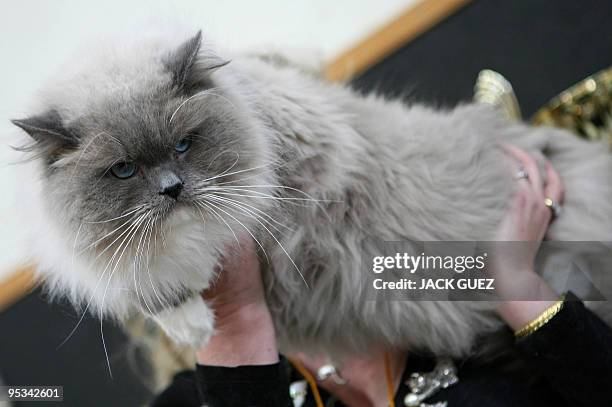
(554, 188)
(523, 292)
(528, 163)
(534, 188)
(527, 220)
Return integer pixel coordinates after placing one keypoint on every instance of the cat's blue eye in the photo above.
(123, 170)
(182, 145)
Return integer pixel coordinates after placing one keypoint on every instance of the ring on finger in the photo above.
(554, 207)
(522, 174)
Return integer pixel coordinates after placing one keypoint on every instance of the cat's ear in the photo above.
(48, 132)
(190, 68)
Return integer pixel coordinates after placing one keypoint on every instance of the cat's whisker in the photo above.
(100, 316)
(208, 207)
(76, 166)
(247, 177)
(127, 230)
(272, 186)
(109, 234)
(110, 371)
(140, 247)
(205, 92)
(272, 166)
(134, 277)
(138, 261)
(247, 188)
(89, 302)
(197, 207)
(258, 195)
(203, 182)
(123, 245)
(138, 264)
(221, 97)
(261, 214)
(131, 236)
(232, 189)
(72, 332)
(184, 102)
(76, 237)
(245, 211)
(155, 243)
(129, 212)
(106, 171)
(161, 302)
(86, 308)
(245, 228)
(219, 155)
(280, 245)
(163, 237)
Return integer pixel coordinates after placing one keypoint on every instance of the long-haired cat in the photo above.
(152, 157)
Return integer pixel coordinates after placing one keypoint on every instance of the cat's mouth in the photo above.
(169, 207)
(166, 208)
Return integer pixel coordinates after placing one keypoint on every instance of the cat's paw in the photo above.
(190, 324)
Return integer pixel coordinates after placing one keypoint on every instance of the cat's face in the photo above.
(138, 147)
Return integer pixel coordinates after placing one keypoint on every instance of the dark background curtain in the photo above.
(541, 46)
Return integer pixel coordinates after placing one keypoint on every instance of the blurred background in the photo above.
(424, 50)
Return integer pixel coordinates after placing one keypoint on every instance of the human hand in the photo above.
(238, 285)
(526, 221)
(244, 332)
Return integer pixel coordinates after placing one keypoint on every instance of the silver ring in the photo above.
(554, 207)
(522, 174)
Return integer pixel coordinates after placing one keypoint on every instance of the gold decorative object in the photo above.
(541, 320)
(585, 108)
(492, 88)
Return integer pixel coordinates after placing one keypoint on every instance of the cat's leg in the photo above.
(191, 323)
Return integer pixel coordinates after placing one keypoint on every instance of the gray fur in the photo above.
(377, 168)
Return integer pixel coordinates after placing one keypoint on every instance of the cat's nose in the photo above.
(170, 184)
(173, 190)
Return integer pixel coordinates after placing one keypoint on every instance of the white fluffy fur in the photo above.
(191, 324)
